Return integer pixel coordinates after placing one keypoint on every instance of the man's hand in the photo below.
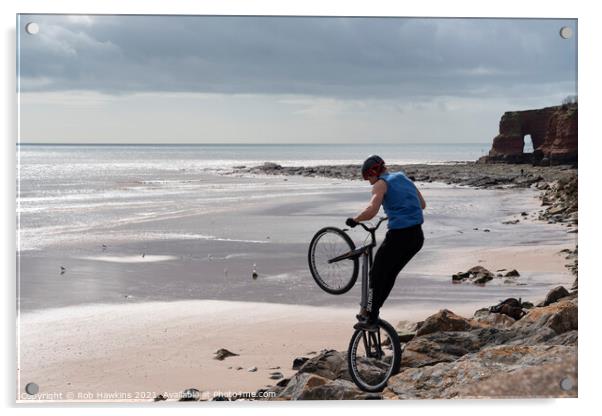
(351, 222)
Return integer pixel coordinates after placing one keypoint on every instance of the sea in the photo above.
(70, 188)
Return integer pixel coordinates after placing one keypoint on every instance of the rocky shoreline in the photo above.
(489, 355)
(558, 184)
(447, 356)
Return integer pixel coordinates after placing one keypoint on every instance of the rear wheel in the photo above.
(374, 356)
(334, 277)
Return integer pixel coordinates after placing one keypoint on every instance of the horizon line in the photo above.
(237, 144)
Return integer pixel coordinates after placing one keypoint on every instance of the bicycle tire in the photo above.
(366, 372)
(325, 274)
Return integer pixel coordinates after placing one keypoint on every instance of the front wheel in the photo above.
(374, 356)
(330, 267)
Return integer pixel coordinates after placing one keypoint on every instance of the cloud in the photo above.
(341, 58)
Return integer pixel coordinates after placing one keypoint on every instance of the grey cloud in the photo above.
(337, 57)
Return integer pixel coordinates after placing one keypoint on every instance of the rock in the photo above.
(306, 386)
(271, 166)
(482, 279)
(252, 369)
(277, 375)
(481, 313)
(496, 320)
(553, 132)
(457, 379)
(512, 273)
(560, 317)
(300, 382)
(511, 222)
(460, 276)
(330, 364)
(220, 398)
(444, 320)
(406, 336)
(223, 353)
(542, 380)
(190, 395)
(440, 347)
(334, 390)
(567, 338)
(554, 295)
(283, 382)
(478, 274)
(160, 398)
(298, 362)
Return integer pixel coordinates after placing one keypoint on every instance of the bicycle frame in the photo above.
(366, 253)
(367, 260)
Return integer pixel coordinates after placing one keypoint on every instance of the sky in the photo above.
(229, 79)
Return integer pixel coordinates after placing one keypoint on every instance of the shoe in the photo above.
(366, 324)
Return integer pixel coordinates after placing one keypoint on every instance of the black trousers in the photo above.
(394, 253)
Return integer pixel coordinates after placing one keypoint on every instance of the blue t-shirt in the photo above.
(401, 202)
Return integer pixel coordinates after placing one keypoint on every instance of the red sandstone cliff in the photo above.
(553, 131)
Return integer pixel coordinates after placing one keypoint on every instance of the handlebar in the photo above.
(372, 229)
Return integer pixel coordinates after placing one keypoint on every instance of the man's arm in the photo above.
(378, 193)
(422, 202)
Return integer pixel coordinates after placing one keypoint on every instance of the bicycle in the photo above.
(374, 355)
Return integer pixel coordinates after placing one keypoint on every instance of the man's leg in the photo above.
(392, 256)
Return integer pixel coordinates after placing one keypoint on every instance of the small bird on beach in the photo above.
(143, 254)
(104, 247)
(63, 270)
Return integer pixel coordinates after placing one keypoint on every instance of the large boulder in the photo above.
(445, 320)
(462, 378)
(547, 380)
(330, 364)
(306, 386)
(494, 320)
(299, 383)
(439, 347)
(333, 390)
(559, 317)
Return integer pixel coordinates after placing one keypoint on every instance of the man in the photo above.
(403, 203)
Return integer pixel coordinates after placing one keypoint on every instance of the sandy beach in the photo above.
(133, 352)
